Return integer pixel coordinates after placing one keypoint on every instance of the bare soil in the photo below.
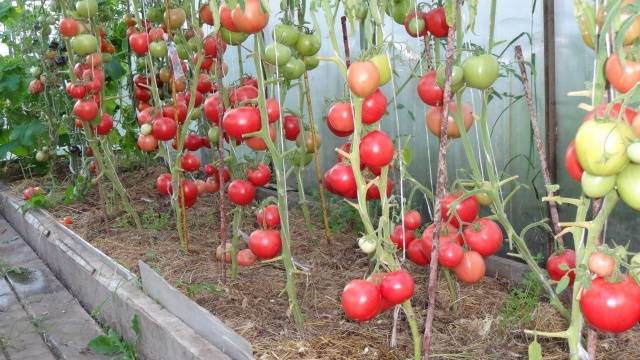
(255, 303)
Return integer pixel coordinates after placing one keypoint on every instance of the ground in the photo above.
(485, 322)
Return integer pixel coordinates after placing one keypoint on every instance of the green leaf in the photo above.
(406, 155)
(535, 350)
(114, 69)
(562, 284)
(135, 324)
(450, 11)
(105, 345)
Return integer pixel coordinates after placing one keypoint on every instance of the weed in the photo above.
(344, 217)
(193, 289)
(112, 344)
(155, 221)
(521, 304)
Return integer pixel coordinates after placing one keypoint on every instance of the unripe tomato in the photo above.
(307, 44)
(276, 54)
(363, 78)
(175, 17)
(629, 186)
(285, 34)
(601, 146)
(381, 61)
(480, 71)
(293, 69)
(601, 264)
(597, 186)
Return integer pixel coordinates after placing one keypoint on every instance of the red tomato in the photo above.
(164, 128)
(225, 18)
(204, 83)
(373, 107)
(373, 192)
(571, 163)
(565, 257)
(239, 121)
(361, 300)
(402, 237)
(156, 34)
(450, 254)
(416, 254)
(273, 110)
(437, 22)
(241, 192)
(268, 217)
(340, 119)
(483, 236)
(105, 125)
(139, 43)
(250, 20)
(257, 143)
(170, 111)
(190, 190)
(412, 219)
(265, 243)
(611, 307)
(86, 110)
(212, 185)
(213, 108)
(210, 170)
(68, 27)
(35, 87)
(192, 142)
(466, 211)
(246, 257)
(260, 175)
(448, 233)
(201, 187)
(242, 94)
(211, 44)
(76, 91)
(397, 287)
(622, 77)
(189, 162)
(291, 127)
(247, 80)
(341, 181)
(471, 269)
(429, 91)
(363, 78)
(376, 149)
(601, 264)
(30, 191)
(163, 184)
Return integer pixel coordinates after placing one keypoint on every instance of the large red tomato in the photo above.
(241, 192)
(376, 149)
(239, 121)
(557, 260)
(139, 43)
(211, 44)
(622, 77)
(265, 243)
(373, 192)
(396, 287)
(86, 110)
(225, 18)
(189, 162)
(412, 219)
(471, 269)
(483, 236)
(340, 119)
(291, 127)
(429, 91)
(341, 181)
(611, 306)
(373, 107)
(466, 211)
(68, 27)
(147, 143)
(268, 217)
(450, 254)
(571, 163)
(259, 175)
(361, 300)
(437, 22)
(164, 128)
(213, 108)
(416, 254)
(242, 94)
(402, 237)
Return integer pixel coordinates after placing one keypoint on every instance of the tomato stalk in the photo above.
(237, 220)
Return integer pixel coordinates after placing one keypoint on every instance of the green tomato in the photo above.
(285, 34)
(293, 69)
(214, 135)
(399, 10)
(483, 197)
(42, 156)
(480, 71)
(381, 61)
(628, 183)
(158, 49)
(155, 14)
(633, 152)
(106, 57)
(232, 38)
(183, 54)
(140, 62)
(193, 43)
(311, 62)
(368, 246)
(457, 77)
(84, 44)
(601, 146)
(35, 71)
(597, 186)
(87, 8)
(307, 45)
(145, 129)
(276, 54)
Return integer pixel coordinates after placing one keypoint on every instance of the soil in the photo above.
(255, 304)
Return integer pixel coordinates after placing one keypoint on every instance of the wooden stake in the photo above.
(345, 40)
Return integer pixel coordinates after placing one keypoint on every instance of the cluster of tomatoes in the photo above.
(434, 22)
(292, 52)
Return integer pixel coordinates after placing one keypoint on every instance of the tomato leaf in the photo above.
(535, 350)
(562, 284)
(406, 155)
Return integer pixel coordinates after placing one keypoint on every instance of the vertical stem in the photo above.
(302, 201)
(237, 220)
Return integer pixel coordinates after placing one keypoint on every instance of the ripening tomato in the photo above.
(416, 254)
(622, 77)
(225, 18)
(76, 91)
(340, 180)
(363, 78)
(205, 14)
(164, 128)
(105, 125)
(448, 233)
(361, 300)
(597, 186)
(412, 219)
(434, 119)
(376, 149)
(147, 143)
(265, 243)
(163, 184)
(450, 254)
(86, 110)
(340, 119)
(291, 127)
(397, 287)
(246, 257)
(312, 141)
(273, 110)
(242, 94)
(611, 306)
(213, 108)
(176, 112)
(415, 24)
(268, 217)
(189, 162)
(139, 43)
(68, 27)
(35, 87)
(381, 61)
(31, 191)
(402, 237)
(239, 121)
(480, 71)
(259, 175)
(466, 211)
(241, 192)
(373, 107)
(84, 44)
(429, 91)
(211, 185)
(250, 20)
(571, 163)
(565, 259)
(471, 269)
(483, 236)
(601, 146)
(629, 186)
(437, 22)
(175, 17)
(601, 264)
